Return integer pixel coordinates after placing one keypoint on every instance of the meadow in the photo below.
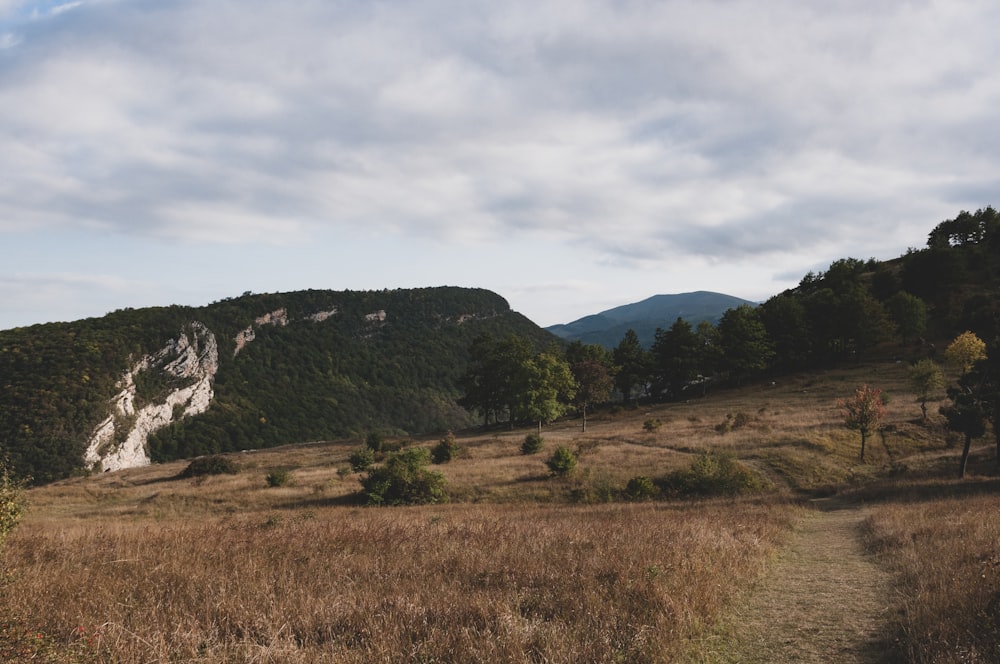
(519, 566)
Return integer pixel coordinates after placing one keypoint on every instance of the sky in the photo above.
(570, 155)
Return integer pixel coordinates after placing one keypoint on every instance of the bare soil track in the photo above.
(823, 599)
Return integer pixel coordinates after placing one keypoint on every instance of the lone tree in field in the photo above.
(864, 412)
(926, 378)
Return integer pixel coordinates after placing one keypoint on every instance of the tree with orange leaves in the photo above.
(864, 412)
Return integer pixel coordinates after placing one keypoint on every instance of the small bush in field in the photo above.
(11, 501)
(279, 477)
(209, 465)
(533, 444)
(562, 462)
(714, 474)
(640, 488)
(374, 441)
(731, 422)
(651, 425)
(361, 459)
(404, 480)
(446, 449)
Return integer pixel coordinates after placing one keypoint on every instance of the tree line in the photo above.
(831, 317)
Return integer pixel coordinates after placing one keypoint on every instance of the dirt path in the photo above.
(822, 600)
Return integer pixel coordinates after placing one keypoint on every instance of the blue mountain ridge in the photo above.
(659, 311)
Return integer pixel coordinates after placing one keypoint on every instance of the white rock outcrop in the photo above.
(120, 441)
(278, 317)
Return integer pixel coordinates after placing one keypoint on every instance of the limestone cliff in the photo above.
(189, 363)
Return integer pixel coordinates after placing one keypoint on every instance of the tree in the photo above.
(909, 313)
(864, 412)
(562, 462)
(966, 415)
(675, 358)
(926, 378)
(786, 321)
(593, 372)
(404, 480)
(496, 377)
(965, 351)
(548, 388)
(746, 348)
(633, 362)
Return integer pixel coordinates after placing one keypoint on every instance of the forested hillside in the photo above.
(290, 367)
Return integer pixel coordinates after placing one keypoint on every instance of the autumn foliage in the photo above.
(864, 412)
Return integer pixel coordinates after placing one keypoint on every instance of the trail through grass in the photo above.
(823, 600)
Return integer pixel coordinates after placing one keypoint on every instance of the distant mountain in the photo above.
(608, 327)
(141, 385)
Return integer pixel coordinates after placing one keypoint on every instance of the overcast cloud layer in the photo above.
(570, 155)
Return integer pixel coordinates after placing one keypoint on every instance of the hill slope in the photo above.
(247, 372)
(608, 327)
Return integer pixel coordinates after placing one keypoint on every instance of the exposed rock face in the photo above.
(376, 316)
(321, 316)
(192, 361)
(243, 337)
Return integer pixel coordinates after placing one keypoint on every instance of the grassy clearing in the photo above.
(519, 567)
(454, 583)
(941, 539)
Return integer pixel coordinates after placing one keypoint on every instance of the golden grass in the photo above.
(139, 566)
(941, 540)
(456, 583)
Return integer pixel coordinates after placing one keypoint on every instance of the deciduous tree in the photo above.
(926, 378)
(864, 412)
(965, 351)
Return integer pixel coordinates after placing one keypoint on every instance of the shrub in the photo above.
(11, 501)
(209, 465)
(651, 425)
(731, 422)
(714, 474)
(640, 488)
(361, 459)
(279, 477)
(374, 441)
(404, 480)
(533, 444)
(562, 462)
(446, 449)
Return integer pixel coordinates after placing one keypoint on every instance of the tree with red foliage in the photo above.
(864, 412)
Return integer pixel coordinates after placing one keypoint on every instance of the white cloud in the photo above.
(635, 133)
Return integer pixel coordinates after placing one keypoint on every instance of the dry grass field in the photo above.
(138, 566)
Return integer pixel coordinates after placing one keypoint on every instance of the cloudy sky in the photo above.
(571, 155)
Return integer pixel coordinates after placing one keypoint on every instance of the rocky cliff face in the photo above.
(189, 364)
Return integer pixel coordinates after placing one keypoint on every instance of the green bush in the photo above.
(446, 449)
(279, 477)
(209, 465)
(714, 474)
(533, 444)
(361, 459)
(651, 425)
(11, 502)
(404, 480)
(640, 488)
(374, 441)
(562, 462)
